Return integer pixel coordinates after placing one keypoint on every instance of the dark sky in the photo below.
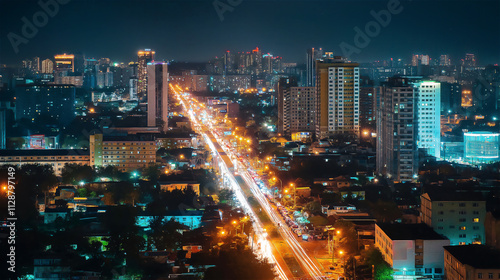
(189, 30)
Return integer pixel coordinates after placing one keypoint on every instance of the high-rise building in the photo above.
(470, 60)
(32, 65)
(56, 101)
(337, 90)
(133, 88)
(283, 90)
(47, 66)
(451, 97)
(158, 95)
(312, 55)
(143, 58)
(366, 103)
(429, 116)
(397, 154)
(420, 59)
(65, 62)
(444, 60)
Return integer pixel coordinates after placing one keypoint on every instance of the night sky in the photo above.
(187, 30)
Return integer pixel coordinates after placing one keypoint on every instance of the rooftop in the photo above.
(410, 232)
(455, 196)
(477, 256)
(47, 152)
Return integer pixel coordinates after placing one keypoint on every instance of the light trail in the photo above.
(265, 246)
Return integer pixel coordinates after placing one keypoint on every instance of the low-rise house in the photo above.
(189, 218)
(471, 262)
(412, 250)
(180, 185)
(337, 208)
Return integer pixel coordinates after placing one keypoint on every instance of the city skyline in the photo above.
(299, 25)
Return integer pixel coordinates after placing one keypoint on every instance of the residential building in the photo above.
(127, 153)
(57, 158)
(157, 96)
(412, 250)
(47, 66)
(459, 216)
(492, 229)
(180, 185)
(444, 60)
(55, 101)
(189, 218)
(471, 262)
(397, 154)
(283, 90)
(337, 101)
(429, 116)
(143, 58)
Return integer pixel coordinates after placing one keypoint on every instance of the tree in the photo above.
(313, 207)
(165, 235)
(347, 238)
(75, 173)
(385, 211)
(373, 257)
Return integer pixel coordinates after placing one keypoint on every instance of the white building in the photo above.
(412, 250)
(429, 116)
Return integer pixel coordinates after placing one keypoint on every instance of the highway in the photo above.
(203, 124)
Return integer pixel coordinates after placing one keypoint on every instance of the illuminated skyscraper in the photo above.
(47, 66)
(143, 58)
(283, 90)
(312, 55)
(444, 60)
(429, 116)
(64, 62)
(337, 89)
(397, 154)
(157, 96)
(470, 60)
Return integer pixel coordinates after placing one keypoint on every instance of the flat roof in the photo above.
(410, 232)
(45, 152)
(477, 256)
(455, 196)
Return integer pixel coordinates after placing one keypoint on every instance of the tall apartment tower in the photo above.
(397, 127)
(284, 85)
(429, 116)
(337, 97)
(444, 60)
(312, 55)
(143, 58)
(157, 96)
(47, 66)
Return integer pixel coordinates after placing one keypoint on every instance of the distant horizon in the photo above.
(195, 31)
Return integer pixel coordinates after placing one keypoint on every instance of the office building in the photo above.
(337, 91)
(414, 251)
(459, 216)
(312, 56)
(482, 147)
(128, 153)
(143, 58)
(56, 101)
(397, 127)
(65, 62)
(429, 116)
(451, 98)
(420, 59)
(471, 262)
(158, 95)
(47, 66)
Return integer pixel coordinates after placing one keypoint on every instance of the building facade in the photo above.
(143, 58)
(128, 153)
(56, 101)
(337, 91)
(458, 216)
(471, 262)
(429, 116)
(414, 251)
(397, 154)
(158, 95)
